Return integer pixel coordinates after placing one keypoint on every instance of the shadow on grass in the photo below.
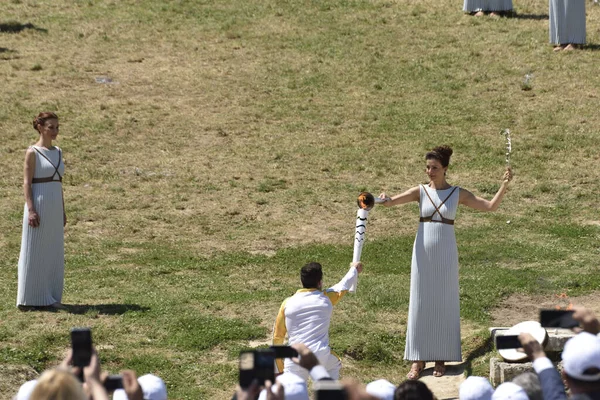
(4, 50)
(16, 27)
(535, 17)
(106, 309)
(484, 347)
(592, 47)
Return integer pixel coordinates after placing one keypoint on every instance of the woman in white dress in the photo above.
(567, 24)
(42, 258)
(433, 332)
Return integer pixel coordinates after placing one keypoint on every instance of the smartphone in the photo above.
(329, 390)
(558, 319)
(81, 343)
(284, 351)
(508, 342)
(256, 364)
(113, 382)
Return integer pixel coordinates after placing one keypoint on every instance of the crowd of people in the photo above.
(578, 380)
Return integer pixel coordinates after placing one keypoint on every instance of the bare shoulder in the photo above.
(30, 154)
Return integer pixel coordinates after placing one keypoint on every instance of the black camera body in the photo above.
(257, 364)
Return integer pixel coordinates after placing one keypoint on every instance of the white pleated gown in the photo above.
(42, 258)
(433, 332)
(567, 21)
(472, 6)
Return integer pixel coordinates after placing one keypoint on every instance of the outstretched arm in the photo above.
(337, 291)
(470, 200)
(411, 194)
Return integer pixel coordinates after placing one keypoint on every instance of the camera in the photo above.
(257, 364)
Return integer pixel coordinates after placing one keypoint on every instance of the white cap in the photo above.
(580, 353)
(510, 391)
(153, 387)
(294, 387)
(25, 390)
(475, 388)
(381, 389)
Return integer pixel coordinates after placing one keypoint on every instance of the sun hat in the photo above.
(381, 389)
(25, 390)
(581, 353)
(475, 388)
(509, 391)
(152, 386)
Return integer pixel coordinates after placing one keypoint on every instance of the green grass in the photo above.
(231, 151)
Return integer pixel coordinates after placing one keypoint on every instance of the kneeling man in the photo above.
(306, 316)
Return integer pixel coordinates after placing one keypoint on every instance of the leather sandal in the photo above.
(416, 370)
(439, 369)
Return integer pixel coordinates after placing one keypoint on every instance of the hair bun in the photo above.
(444, 150)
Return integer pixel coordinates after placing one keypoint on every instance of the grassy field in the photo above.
(229, 150)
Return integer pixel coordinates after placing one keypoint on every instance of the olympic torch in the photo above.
(365, 202)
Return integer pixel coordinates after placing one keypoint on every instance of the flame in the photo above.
(569, 307)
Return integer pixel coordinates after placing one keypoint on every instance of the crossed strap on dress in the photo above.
(437, 209)
(50, 178)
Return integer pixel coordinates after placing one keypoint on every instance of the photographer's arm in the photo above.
(336, 292)
(279, 332)
(550, 380)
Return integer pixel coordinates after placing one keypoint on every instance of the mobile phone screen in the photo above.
(557, 319)
(508, 342)
(284, 351)
(81, 342)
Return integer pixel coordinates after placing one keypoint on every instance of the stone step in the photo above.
(501, 371)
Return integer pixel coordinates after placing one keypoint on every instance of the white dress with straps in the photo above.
(433, 332)
(42, 258)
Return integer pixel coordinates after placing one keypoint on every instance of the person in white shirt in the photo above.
(305, 318)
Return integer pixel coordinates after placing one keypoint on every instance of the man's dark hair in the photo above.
(413, 390)
(311, 274)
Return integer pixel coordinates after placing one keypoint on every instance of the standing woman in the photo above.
(433, 332)
(567, 24)
(42, 258)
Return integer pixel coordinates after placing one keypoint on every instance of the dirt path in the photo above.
(445, 387)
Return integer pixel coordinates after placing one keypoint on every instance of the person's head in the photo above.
(437, 161)
(530, 383)
(581, 363)
(413, 390)
(311, 275)
(509, 391)
(46, 123)
(475, 388)
(57, 384)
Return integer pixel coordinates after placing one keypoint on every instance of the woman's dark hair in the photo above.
(413, 390)
(440, 153)
(42, 118)
(310, 275)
